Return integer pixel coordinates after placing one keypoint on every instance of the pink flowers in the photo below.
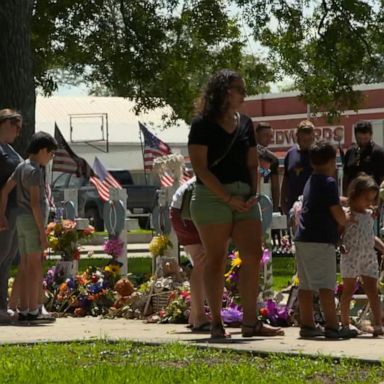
(114, 247)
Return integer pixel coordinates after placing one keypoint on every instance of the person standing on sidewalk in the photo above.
(10, 127)
(30, 223)
(224, 205)
(359, 259)
(189, 238)
(297, 167)
(268, 164)
(316, 239)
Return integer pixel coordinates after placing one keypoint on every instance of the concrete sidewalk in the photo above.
(364, 347)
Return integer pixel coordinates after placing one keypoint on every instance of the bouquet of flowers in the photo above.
(178, 308)
(275, 314)
(159, 244)
(114, 247)
(63, 238)
(90, 293)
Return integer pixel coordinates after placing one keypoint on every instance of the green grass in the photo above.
(135, 231)
(126, 362)
(283, 268)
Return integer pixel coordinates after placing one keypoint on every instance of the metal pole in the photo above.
(142, 154)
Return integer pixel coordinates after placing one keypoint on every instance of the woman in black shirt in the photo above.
(224, 206)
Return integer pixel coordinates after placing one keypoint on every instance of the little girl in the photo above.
(359, 258)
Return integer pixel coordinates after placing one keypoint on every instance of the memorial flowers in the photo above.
(64, 236)
(159, 245)
(114, 247)
(90, 293)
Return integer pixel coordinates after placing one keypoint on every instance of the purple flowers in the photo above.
(114, 247)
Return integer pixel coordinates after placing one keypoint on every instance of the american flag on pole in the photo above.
(153, 147)
(103, 180)
(66, 160)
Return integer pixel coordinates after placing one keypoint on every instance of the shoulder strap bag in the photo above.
(185, 210)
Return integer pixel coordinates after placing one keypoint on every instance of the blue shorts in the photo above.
(208, 208)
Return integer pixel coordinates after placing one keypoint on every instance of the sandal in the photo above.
(219, 333)
(203, 327)
(261, 329)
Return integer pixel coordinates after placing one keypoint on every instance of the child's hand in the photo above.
(43, 241)
(3, 223)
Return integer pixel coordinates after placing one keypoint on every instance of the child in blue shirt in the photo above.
(316, 239)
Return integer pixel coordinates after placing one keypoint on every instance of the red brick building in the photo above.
(285, 110)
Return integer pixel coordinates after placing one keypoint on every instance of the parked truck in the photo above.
(141, 199)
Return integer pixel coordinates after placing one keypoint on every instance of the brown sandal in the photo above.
(261, 329)
(219, 333)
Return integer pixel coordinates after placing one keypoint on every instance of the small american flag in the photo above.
(166, 180)
(103, 180)
(153, 147)
(66, 160)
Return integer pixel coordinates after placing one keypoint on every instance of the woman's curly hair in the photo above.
(213, 99)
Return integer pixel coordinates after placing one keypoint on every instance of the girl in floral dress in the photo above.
(359, 259)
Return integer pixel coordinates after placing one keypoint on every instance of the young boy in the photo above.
(33, 207)
(316, 238)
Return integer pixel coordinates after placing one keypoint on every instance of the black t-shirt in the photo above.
(234, 166)
(268, 163)
(369, 160)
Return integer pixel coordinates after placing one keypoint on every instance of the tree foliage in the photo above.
(326, 46)
(156, 52)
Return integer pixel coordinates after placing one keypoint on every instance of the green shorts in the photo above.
(208, 208)
(28, 235)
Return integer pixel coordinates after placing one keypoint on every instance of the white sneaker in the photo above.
(43, 310)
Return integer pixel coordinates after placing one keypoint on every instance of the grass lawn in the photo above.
(126, 362)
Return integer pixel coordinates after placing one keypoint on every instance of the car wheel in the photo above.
(94, 219)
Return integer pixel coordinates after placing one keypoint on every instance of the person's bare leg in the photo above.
(197, 316)
(327, 301)
(247, 237)
(305, 298)
(345, 300)
(215, 240)
(370, 288)
(23, 285)
(36, 280)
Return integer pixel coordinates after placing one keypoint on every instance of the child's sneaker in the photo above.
(377, 331)
(45, 315)
(343, 332)
(38, 318)
(310, 332)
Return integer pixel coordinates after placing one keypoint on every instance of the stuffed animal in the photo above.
(124, 287)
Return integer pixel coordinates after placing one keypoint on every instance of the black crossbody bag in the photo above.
(185, 210)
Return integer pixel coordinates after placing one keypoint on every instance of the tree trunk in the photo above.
(17, 86)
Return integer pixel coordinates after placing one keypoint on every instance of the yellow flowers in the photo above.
(159, 244)
(236, 261)
(112, 268)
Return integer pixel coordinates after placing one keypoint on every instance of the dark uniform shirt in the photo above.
(369, 160)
